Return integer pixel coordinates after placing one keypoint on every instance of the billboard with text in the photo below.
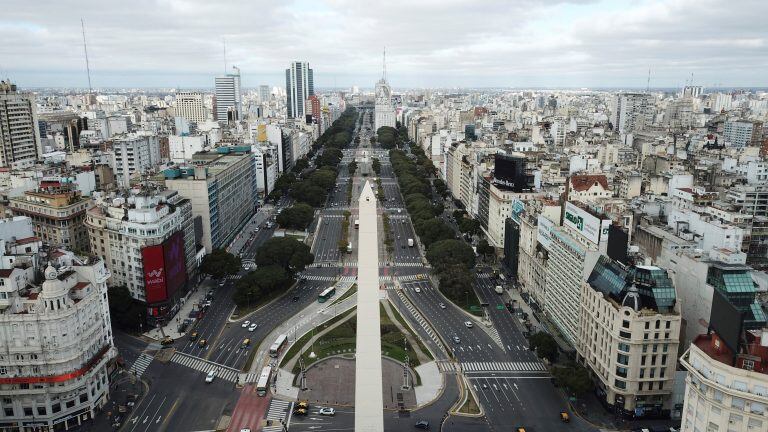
(154, 274)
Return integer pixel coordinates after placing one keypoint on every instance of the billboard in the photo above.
(518, 207)
(544, 236)
(154, 274)
(578, 219)
(175, 263)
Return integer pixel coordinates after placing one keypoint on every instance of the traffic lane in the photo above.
(474, 344)
(262, 236)
(423, 336)
(433, 413)
(211, 322)
(503, 321)
(343, 420)
(179, 400)
(129, 347)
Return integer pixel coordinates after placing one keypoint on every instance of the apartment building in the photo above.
(222, 187)
(19, 134)
(57, 211)
(629, 332)
(147, 240)
(190, 106)
(135, 154)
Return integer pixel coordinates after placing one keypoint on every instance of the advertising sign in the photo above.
(518, 207)
(545, 227)
(583, 222)
(175, 263)
(154, 274)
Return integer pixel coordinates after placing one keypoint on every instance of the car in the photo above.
(420, 277)
(468, 324)
(520, 429)
(422, 424)
(253, 327)
(303, 404)
(257, 229)
(456, 340)
(327, 411)
(417, 289)
(564, 417)
(295, 298)
(193, 335)
(211, 375)
(485, 386)
(202, 343)
(245, 324)
(245, 429)
(167, 341)
(300, 411)
(222, 282)
(245, 343)
(442, 305)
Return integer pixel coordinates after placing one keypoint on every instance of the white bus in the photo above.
(262, 385)
(274, 350)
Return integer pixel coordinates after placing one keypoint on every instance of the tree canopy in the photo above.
(261, 282)
(433, 230)
(287, 252)
(126, 313)
(220, 263)
(446, 253)
(544, 345)
(299, 216)
(455, 283)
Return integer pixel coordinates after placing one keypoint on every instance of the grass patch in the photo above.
(470, 405)
(242, 311)
(349, 293)
(299, 344)
(402, 322)
(468, 302)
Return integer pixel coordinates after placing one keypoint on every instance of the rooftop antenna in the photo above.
(648, 83)
(224, 42)
(384, 74)
(87, 64)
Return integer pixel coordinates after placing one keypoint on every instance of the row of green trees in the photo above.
(389, 137)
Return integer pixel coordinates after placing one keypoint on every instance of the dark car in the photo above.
(422, 424)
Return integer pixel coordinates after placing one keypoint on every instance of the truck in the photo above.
(410, 242)
(499, 289)
(357, 223)
(349, 247)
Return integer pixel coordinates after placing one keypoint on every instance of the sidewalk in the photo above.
(245, 232)
(537, 323)
(190, 302)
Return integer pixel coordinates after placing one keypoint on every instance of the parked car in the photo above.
(442, 305)
(422, 424)
(245, 324)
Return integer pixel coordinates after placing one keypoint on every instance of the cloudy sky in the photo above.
(430, 43)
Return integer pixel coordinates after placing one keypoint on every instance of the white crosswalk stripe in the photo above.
(196, 363)
(496, 338)
(411, 278)
(234, 276)
(278, 410)
(141, 364)
(447, 366)
(534, 366)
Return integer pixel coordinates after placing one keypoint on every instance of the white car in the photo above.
(417, 289)
(253, 327)
(245, 430)
(442, 305)
(468, 324)
(211, 375)
(327, 411)
(245, 324)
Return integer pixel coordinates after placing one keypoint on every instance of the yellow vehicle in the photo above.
(299, 411)
(520, 429)
(193, 335)
(166, 341)
(302, 404)
(202, 342)
(564, 417)
(245, 343)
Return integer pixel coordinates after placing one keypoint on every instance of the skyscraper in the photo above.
(299, 86)
(384, 112)
(190, 106)
(19, 135)
(228, 96)
(632, 112)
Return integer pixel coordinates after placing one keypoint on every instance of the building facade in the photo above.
(228, 96)
(134, 155)
(299, 86)
(190, 106)
(19, 134)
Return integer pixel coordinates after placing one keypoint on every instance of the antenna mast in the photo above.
(648, 84)
(224, 41)
(384, 75)
(87, 64)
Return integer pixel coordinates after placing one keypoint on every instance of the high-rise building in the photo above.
(743, 133)
(631, 112)
(228, 105)
(384, 112)
(135, 154)
(147, 241)
(19, 135)
(190, 106)
(264, 93)
(628, 335)
(299, 86)
(222, 186)
(313, 105)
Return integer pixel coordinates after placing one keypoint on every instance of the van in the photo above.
(245, 343)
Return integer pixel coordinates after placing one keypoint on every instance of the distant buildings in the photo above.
(743, 133)
(228, 97)
(135, 154)
(384, 112)
(299, 86)
(190, 106)
(632, 111)
(19, 135)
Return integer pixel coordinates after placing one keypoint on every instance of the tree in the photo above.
(440, 187)
(469, 226)
(432, 230)
(300, 165)
(485, 249)
(446, 253)
(287, 252)
(544, 345)
(309, 193)
(284, 182)
(126, 313)
(299, 216)
(376, 166)
(264, 281)
(352, 167)
(343, 244)
(220, 263)
(575, 378)
(456, 283)
(385, 135)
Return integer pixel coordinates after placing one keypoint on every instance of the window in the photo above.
(737, 403)
(647, 325)
(625, 324)
(625, 335)
(620, 384)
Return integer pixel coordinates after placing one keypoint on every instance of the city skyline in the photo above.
(524, 44)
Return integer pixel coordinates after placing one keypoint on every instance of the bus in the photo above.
(262, 385)
(274, 350)
(325, 295)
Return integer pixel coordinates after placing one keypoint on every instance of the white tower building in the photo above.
(384, 112)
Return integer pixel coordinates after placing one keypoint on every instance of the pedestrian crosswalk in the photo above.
(140, 365)
(485, 275)
(496, 338)
(234, 276)
(533, 366)
(447, 366)
(196, 363)
(278, 410)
